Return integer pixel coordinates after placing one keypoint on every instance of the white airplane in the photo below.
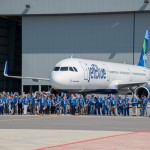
(90, 76)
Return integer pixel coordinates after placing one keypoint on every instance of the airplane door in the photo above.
(85, 69)
(108, 75)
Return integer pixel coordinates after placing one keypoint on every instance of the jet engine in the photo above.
(143, 90)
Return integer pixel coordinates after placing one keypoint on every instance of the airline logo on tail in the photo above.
(143, 56)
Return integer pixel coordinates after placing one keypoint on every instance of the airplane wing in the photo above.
(130, 84)
(20, 77)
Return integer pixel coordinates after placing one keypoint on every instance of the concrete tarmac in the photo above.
(41, 132)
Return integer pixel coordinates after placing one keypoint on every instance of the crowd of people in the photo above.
(43, 103)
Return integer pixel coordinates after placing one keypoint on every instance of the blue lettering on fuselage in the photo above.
(96, 73)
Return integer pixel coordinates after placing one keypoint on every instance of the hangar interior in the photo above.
(34, 39)
(10, 50)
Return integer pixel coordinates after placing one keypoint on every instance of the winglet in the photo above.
(6, 69)
(143, 56)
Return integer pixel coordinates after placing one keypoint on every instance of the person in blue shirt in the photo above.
(99, 105)
(144, 104)
(14, 104)
(57, 104)
(92, 103)
(134, 103)
(1, 105)
(31, 104)
(126, 105)
(53, 104)
(81, 105)
(113, 106)
(48, 105)
(7, 104)
(120, 105)
(86, 105)
(20, 102)
(42, 104)
(73, 104)
(106, 106)
(37, 104)
(77, 104)
(25, 104)
(64, 103)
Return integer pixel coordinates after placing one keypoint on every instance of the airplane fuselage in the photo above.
(83, 75)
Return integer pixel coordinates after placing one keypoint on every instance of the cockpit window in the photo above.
(71, 69)
(64, 69)
(75, 69)
(56, 68)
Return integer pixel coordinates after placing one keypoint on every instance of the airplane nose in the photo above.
(57, 81)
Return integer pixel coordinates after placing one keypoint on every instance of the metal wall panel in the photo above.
(17, 7)
(48, 39)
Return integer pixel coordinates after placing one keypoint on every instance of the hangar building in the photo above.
(36, 34)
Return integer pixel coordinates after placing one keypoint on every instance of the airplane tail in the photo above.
(143, 56)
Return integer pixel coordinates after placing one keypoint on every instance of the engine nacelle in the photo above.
(143, 90)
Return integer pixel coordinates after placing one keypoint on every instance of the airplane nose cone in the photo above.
(57, 81)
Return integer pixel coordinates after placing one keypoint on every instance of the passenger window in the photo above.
(71, 69)
(64, 69)
(75, 69)
(56, 68)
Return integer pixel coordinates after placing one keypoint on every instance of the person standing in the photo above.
(20, 101)
(86, 105)
(42, 104)
(25, 104)
(134, 103)
(32, 104)
(48, 105)
(120, 105)
(92, 103)
(144, 104)
(126, 105)
(1, 105)
(99, 101)
(14, 104)
(113, 106)
(57, 104)
(73, 104)
(7, 104)
(64, 104)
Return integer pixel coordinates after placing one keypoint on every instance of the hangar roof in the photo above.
(52, 7)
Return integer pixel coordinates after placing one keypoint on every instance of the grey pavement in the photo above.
(39, 132)
(68, 122)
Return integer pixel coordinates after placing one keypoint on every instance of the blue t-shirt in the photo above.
(145, 101)
(64, 102)
(36, 101)
(134, 101)
(20, 100)
(7, 101)
(81, 102)
(26, 101)
(14, 101)
(48, 102)
(1, 101)
(120, 102)
(73, 101)
(100, 101)
(113, 102)
(86, 101)
(126, 102)
(91, 101)
(42, 101)
(31, 100)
